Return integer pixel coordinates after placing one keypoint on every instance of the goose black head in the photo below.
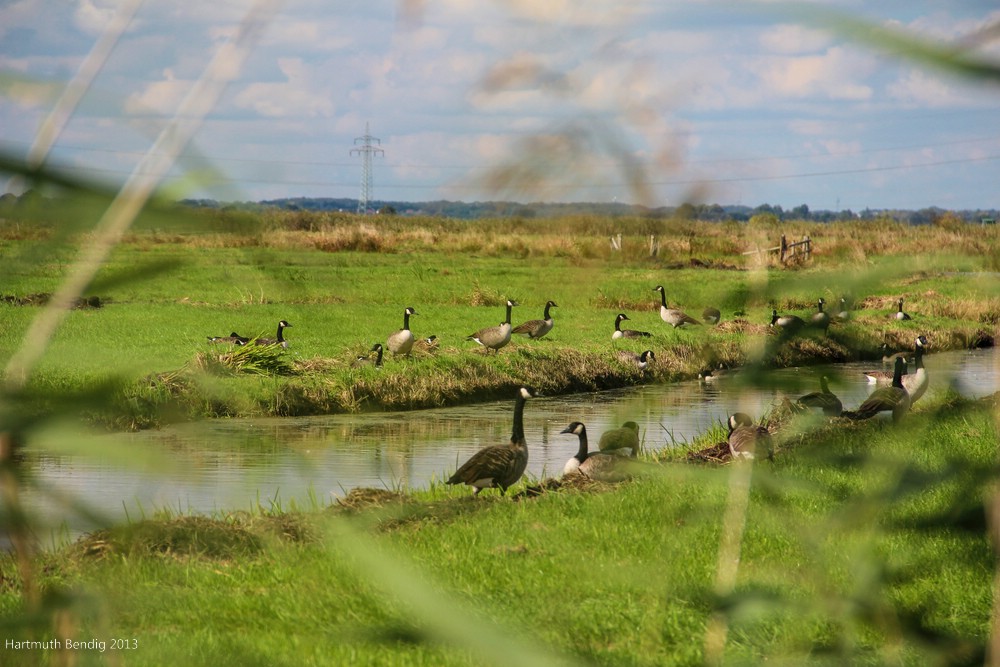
(738, 419)
(527, 392)
(575, 428)
(283, 324)
(410, 311)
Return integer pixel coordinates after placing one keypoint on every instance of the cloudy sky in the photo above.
(644, 101)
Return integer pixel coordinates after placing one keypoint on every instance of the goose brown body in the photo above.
(279, 338)
(538, 328)
(494, 338)
(498, 466)
(627, 333)
(672, 316)
(595, 465)
(824, 399)
(894, 398)
(401, 341)
(232, 339)
(746, 438)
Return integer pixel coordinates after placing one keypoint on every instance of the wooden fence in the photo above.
(788, 250)
(784, 250)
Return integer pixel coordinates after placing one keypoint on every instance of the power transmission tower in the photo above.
(366, 150)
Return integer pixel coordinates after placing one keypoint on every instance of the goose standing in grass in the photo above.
(627, 333)
(595, 465)
(641, 361)
(498, 466)
(401, 342)
(493, 338)
(232, 339)
(622, 441)
(538, 328)
(370, 360)
(745, 437)
(820, 320)
(900, 315)
(915, 383)
(844, 314)
(279, 339)
(788, 324)
(672, 316)
(711, 316)
(824, 399)
(894, 398)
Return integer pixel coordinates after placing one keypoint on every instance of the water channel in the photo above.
(232, 464)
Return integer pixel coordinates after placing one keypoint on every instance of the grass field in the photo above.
(859, 544)
(344, 284)
(851, 552)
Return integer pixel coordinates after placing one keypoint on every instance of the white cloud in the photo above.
(790, 38)
(917, 88)
(297, 96)
(159, 97)
(92, 17)
(837, 74)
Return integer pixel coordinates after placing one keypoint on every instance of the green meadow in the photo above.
(343, 286)
(863, 544)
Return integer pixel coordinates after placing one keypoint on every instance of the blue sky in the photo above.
(563, 100)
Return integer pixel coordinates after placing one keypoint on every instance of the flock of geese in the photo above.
(501, 466)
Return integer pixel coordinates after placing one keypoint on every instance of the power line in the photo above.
(685, 181)
(413, 165)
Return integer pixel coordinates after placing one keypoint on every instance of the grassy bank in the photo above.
(858, 544)
(343, 284)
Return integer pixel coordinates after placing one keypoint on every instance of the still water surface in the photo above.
(234, 464)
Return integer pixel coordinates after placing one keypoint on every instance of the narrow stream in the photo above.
(234, 464)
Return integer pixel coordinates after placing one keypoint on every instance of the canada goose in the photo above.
(915, 383)
(711, 316)
(595, 465)
(401, 342)
(429, 344)
(537, 328)
(622, 441)
(672, 316)
(627, 333)
(277, 340)
(493, 338)
(844, 314)
(820, 320)
(823, 399)
(745, 437)
(893, 399)
(713, 374)
(498, 466)
(900, 315)
(786, 323)
(889, 357)
(367, 359)
(640, 360)
(232, 339)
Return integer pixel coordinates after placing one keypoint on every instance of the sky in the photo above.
(645, 102)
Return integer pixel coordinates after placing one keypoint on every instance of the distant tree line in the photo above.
(687, 211)
(505, 209)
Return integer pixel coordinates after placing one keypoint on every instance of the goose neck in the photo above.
(581, 453)
(517, 436)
